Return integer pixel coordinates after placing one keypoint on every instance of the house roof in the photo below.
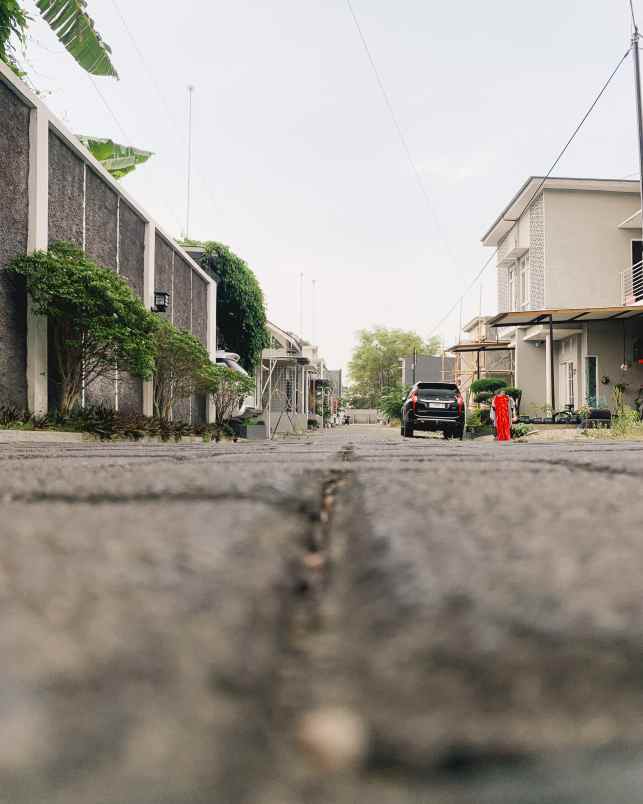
(527, 318)
(633, 222)
(532, 187)
(283, 335)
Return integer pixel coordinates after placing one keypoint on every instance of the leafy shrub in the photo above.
(96, 321)
(490, 384)
(473, 419)
(392, 399)
(520, 430)
(227, 389)
(179, 362)
(516, 395)
(485, 417)
(483, 396)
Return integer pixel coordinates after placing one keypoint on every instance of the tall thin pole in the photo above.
(301, 305)
(639, 112)
(415, 360)
(312, 334)
(189, 167)
(551, 364)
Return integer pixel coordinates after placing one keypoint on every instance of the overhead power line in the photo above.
(400, 133)
(541, 184)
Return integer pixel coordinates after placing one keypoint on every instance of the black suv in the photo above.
(434, 406)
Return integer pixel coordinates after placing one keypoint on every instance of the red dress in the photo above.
(502, 405)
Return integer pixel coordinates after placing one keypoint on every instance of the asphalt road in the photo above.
(345, 618)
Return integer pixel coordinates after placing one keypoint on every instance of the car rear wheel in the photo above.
(407, 430)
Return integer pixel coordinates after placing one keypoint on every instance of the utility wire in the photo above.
(400, 133)
(540, 185)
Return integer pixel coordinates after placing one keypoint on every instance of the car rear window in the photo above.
(436, 393)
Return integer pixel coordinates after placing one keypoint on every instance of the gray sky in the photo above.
(297, 164)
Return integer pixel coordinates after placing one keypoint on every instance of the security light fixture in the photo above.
(161, 301)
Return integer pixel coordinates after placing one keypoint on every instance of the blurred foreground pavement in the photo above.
(338, 619)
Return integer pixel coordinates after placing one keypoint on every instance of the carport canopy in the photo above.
(528, 318)
(481, 346)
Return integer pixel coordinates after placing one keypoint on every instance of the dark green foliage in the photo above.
(97, 323)
(241, 309)
(13, 22)
(491, 384)
(227, 388)
(392, 400)
(483, 396)
(106, 423)
(520, 430)
(179, 361)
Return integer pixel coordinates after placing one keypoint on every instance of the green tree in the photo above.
(71, 23)
(227, 389)
(241, 308)
(179, 362)
(119, 160)
(375, 364)
(96, 322)
(392, 400)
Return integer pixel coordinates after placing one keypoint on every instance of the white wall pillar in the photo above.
(212, 339)
(148, 301)
(549, 345)
(38, 239)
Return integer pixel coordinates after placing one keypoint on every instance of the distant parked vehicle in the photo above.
(434, 406)
(247, 408)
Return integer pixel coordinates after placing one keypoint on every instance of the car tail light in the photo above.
(460, 405)
(414, 400)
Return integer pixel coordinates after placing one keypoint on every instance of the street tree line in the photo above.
(375, 369)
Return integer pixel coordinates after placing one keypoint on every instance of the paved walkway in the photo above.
(346, 618)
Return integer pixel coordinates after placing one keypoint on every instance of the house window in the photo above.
(511, 289)
(591, 381)
(523, 301)
(637, 270)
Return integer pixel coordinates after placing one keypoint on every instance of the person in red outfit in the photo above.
(502, 414)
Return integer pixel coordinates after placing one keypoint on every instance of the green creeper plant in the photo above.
(179, 362)
(226, 388)
(97, 324)
(241, 308)
(13, 23)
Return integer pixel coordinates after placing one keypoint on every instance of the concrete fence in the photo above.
(51, 188)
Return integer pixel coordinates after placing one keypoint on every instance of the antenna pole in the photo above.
(639, 112)
(189, 167)
(301, 305)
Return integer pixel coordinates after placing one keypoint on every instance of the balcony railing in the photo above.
(632, 285)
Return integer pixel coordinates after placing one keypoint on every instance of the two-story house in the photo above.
(570, 290)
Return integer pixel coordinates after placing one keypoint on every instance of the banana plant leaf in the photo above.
(75, 29)
(118, 159)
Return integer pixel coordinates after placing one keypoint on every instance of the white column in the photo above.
(549, 379)
(38, 239)
(212, 338)
(148, 301)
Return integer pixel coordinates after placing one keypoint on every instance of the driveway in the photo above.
(347, 617)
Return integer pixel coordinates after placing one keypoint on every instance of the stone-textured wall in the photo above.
(101, 244)
(131, 267)
(537, 254)
(164, 272)
(66, 222)
(14, 211)
(182, 319)
(66, 188)
(86, 209)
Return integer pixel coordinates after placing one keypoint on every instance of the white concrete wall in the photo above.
(585, 251)
(531, 368)
(606, 341)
